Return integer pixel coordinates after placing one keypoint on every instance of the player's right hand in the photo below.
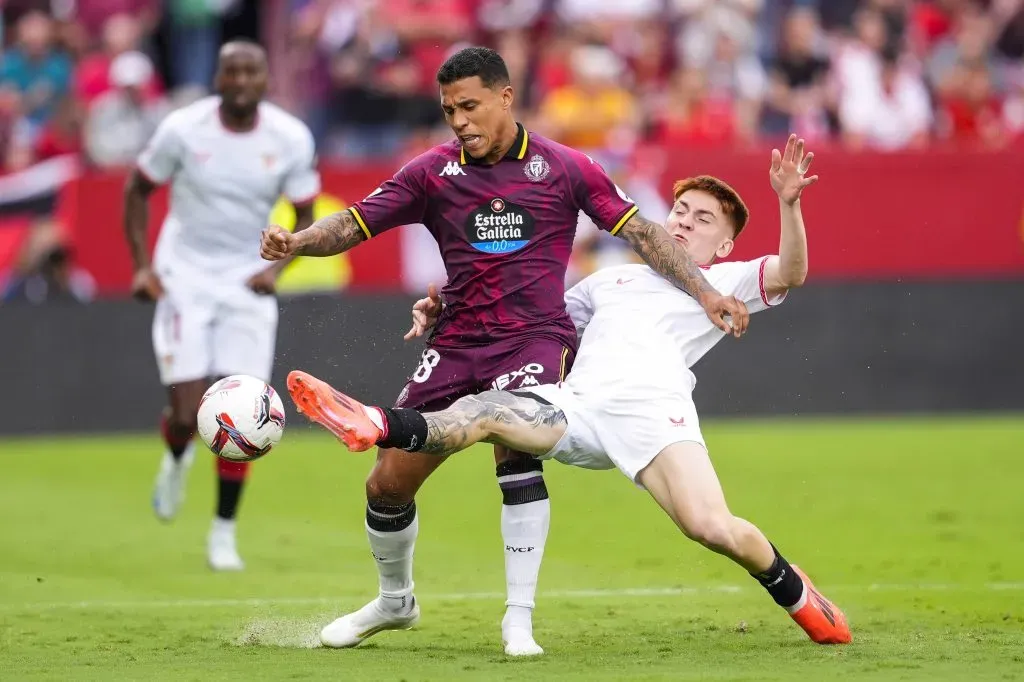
(718, 307)
(277, 243)
(425, 313)
(146, 285)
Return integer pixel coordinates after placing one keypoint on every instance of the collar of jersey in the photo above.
(516, 152)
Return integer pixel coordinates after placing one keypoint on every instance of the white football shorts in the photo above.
(608, 431)
(204, 329)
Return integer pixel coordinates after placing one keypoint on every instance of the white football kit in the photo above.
(224, 185)
(629, 393)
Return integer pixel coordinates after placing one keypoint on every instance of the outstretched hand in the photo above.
(425, 313)
(788, 170)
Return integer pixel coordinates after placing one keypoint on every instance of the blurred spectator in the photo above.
(610, 22)
(649, 59)
(498, 16)
(688, 117)
(963, 73)
(889, 114)
(704, 22)
(121, 121)
(62, 134)
(39, 73)
(427, 29)
(595, 111)
(798, 96)
(94, 17)
(53, 278)
(195, 39)
(719, 37)
(121, 33)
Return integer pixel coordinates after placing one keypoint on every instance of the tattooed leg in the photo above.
(515, 421)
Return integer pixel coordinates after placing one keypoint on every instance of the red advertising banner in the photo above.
(934, 214)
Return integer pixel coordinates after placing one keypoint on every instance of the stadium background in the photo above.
(871, 425)
(915, 111)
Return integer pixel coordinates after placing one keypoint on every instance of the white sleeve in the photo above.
(579, 305)
(302, 184)
(163, 153)
(745, 281)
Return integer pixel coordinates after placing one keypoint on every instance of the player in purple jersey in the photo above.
(502, 204)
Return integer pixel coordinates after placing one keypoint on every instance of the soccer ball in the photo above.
(241, 418)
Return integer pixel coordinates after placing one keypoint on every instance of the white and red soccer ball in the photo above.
(241, 418)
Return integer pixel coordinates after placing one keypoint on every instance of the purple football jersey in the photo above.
(505, 232)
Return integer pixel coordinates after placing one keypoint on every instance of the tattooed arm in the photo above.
(669, 257)
(515, 421)
(328, 236)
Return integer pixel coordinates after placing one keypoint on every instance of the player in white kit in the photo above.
(627, 402)
(229, 158)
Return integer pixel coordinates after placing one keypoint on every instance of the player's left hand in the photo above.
(718, 307)
(788, 170)
(425, 313)
(264, 282)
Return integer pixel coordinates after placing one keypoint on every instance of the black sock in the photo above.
(385, 518)
(781, 581)
(521, 481)
(404, 429)
(229, 494)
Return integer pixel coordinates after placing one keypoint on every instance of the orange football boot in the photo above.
(821, 619)
(343, 416)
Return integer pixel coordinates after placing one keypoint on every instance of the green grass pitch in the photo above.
(914, 527)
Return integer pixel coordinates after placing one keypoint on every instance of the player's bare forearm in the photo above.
(136, 217)
(518, 422)
(329, 236)
(792, 245)
(665, 255)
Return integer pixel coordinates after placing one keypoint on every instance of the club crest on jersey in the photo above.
(499, 227)
(537, 168)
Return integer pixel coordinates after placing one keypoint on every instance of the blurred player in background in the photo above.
(503, 205)
(628, 401)
(228, 158)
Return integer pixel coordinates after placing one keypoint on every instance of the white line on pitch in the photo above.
(477, 596)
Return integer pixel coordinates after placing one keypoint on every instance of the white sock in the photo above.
(524, 530)
(393, 553)
(222, 526)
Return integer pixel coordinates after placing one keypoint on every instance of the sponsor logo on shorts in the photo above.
(524, 376)
(499, 227)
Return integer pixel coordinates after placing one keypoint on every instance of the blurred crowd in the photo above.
(602, 74)
(82, 75)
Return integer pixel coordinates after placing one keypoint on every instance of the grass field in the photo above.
(916, 528)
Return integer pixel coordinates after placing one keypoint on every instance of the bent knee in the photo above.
(716, 531)
(393, 491)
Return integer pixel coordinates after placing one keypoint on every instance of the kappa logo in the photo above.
(452, 168)
(537, 168)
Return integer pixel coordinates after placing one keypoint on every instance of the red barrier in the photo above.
(929, 215)
(936, 214)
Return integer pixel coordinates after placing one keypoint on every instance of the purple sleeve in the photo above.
(401, 200)
(600, 198)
